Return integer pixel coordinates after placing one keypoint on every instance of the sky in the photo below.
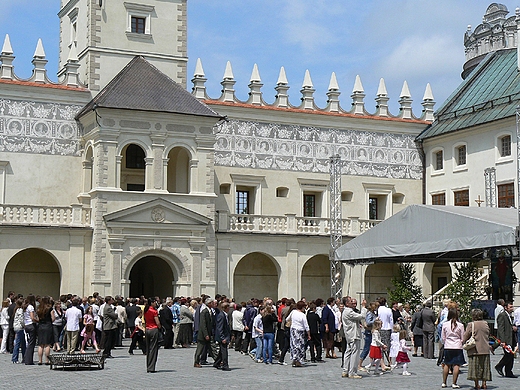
(420, 41)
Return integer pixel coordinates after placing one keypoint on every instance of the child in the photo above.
(138, 333)
(402, 356)
(88, 330)
(394, 344)
(375, 347)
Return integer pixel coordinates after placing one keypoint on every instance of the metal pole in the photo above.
(336, 267)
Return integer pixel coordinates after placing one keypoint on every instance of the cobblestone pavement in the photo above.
(175, 370)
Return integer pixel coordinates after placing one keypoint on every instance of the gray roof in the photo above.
(141, 86)
(489, 93)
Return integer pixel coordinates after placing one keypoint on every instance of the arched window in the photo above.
(133, 168)
(134, 157)
(178, 171)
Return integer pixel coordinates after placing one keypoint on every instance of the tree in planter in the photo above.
(406, 289)
(463, 289)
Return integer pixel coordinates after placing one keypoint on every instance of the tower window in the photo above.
(138, 25)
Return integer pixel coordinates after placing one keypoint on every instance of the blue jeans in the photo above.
(258, 349)
(366, 347)
(19, 340)
(268, 347)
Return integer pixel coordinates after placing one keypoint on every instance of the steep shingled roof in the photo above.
(141, 86)
(491, 92)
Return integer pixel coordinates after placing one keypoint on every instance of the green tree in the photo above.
(464, 288)
(406, 289)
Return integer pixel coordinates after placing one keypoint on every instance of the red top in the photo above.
(149, 318)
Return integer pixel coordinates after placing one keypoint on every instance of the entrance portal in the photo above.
(151, 276)
(255, 277)
(32, 271)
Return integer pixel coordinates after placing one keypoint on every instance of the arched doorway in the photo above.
(33, 271)
(316, 278)
(255, 276)
(133, 168)
(151, 276)
(378, 279)
(178, 171)
(441, 276)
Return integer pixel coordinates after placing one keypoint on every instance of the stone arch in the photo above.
(315, 278)
(178, 170)
(33, 270)
(256, 275)
(378, 279)
(125, 143)
(174, 257)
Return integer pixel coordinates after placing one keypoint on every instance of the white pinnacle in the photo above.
(73, 54)
(39, 52)
(282, 78)
(405, 92)
(381, 90)
(7, 49)
(428, 94)
(228, 74)
(358, 87)
(255, 75)
(333, 84)
(199, 72)
(307, 82)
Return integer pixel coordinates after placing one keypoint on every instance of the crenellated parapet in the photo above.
(70, 77)
(307, 103)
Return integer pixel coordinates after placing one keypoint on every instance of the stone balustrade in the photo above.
(288, 224)
(74, 215)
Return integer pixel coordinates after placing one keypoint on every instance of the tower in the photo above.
(106, 35)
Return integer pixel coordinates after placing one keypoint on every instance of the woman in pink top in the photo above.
(452, 335)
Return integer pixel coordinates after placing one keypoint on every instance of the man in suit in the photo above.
(131, 315)
(352, 330)
(428, 327)
(222, 337)
(109, 326)
(505, 335)
(328, 328)
(166, 319)
(205, 328)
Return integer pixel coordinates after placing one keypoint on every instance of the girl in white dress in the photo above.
(394, 345)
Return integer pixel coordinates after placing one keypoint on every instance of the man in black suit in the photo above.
(205, 330)
(505, 335)
(166, 319)
(428, 327)
(131, 315)
(222, 337)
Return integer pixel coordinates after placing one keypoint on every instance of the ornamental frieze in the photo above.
(41, 128)
(308, 149)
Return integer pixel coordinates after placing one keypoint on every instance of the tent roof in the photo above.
(424, 233)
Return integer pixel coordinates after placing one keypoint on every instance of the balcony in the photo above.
(288, 224)
(25, 215)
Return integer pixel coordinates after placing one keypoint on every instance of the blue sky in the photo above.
(419, 41)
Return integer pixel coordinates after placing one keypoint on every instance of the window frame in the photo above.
(509, 198)
(458, 162)
(440, 196)
(434, 161)
(142, 11)
(460, 191)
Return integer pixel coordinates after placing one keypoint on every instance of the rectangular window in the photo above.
(439, 161)
(372, 208)
(506, 195)
(439, 199)
(505, 146)
(242, 202)
(135, 187)
(461, 198)
(309, 205)
(461, 151)
(138, 25)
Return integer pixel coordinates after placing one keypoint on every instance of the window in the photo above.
(506, 195)
(439, 199)
(505, 146)
(372, 208)
(139, 19)
(242, 202)
(461, 155)
(282, 192)
(309, 205)
(461, 198)
(135, 157)
(138, 25)
(439, 160)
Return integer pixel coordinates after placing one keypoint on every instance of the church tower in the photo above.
(105, 35)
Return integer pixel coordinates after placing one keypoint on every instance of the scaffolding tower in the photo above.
(491, 185)
(336, 267)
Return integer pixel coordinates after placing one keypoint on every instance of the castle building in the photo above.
(117, 179)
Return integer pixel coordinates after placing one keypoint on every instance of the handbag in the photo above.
(471, 342)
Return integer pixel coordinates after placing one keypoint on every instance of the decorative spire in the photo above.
(7, 58)
(382, 100)
(307, 92)
(358, 94)
(428, 103)
(333, 94)
(39, 72)
(199, 80)
(282, 86)
(228, 93)
(73, 53)
(39, 52)
(7, 49)
(255, 86)
(71, 68)
(405, 102)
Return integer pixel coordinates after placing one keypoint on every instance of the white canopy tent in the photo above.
(422, 233)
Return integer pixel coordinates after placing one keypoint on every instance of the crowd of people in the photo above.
(372, 337)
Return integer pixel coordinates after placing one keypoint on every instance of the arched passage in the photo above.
(378, 278)
(255, 276)
(34, 271)
(178, 171)
(151, 276)
(316, 278)
(133, 168)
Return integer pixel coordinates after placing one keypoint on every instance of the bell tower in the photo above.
(104, 35)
